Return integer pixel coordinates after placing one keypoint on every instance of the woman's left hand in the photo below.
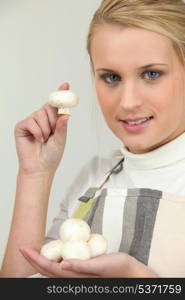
(107, 265)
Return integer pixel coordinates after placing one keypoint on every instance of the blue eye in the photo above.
(110, 78)
(151, 75)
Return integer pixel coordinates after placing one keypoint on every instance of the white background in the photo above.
(42, 45)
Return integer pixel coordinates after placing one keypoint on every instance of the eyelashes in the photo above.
(153, 75)
(110, 78)
(113, 78)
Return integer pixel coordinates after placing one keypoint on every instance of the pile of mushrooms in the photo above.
(63, 100)
(76, 241)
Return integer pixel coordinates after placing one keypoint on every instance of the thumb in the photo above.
(92, 266)
(64, 86)
(61, 130)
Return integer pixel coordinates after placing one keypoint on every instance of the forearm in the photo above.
(28, 222)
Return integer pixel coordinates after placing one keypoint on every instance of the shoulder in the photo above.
(98, 166)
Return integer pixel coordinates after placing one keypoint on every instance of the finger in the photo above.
(40, 263)
(51, 115)
(61, 130)
(62, 274)
(45, 266)
(42, 120)
(29, 128)
(64, 86)
(35, 266)
(92, 266)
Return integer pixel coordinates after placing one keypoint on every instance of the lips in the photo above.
(137, 119)
(136, 124)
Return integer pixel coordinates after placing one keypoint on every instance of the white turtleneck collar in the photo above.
(163, 156)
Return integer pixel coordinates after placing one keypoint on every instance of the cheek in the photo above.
(103, 97)
(172, 100)
(170, 108)
(106, 99)
(167, 98)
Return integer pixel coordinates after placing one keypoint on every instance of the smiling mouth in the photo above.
(136, 125)
(136, 121)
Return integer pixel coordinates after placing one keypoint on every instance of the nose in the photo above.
(130, 98)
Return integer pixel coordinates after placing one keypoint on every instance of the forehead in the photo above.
(112, 44)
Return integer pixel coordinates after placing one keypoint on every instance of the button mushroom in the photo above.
(76, 249)
(63, 100)
(74, 229)
(52, 250)
(97, 244)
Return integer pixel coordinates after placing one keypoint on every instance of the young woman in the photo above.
(137, 53)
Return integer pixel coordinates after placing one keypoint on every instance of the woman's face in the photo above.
(140, 84)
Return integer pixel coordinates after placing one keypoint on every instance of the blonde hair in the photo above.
(166, 17)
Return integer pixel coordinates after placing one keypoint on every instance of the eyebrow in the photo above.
(142, 67)
(151, 65)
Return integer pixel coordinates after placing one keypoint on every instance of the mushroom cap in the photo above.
(52, 250)
(74, 229)
(63, 98)
(97, 244)
(76, 250)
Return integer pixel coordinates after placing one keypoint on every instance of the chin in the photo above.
(141, 143)
(139, 148)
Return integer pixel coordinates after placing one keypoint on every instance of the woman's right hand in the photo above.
(40, 139)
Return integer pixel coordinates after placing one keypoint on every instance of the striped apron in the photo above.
(147, 224)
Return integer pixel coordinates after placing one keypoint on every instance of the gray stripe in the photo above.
(150, 192)
(129, 216)
(147, 206)
(95, 218)
(144, 192)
